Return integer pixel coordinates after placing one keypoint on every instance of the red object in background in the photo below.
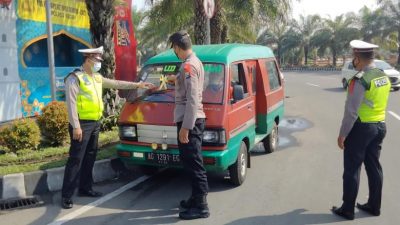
(5, 4)
(125, 43)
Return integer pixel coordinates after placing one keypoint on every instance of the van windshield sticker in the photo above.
(169, 68)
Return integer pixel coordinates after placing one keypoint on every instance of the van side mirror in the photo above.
(238, 93)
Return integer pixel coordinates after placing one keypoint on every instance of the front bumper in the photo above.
(138, 155)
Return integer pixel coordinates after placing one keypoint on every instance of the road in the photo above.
(296, 185)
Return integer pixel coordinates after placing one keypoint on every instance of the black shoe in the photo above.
(186, 204)
(341, 212)
(90, 193)
(194, 213)
(67, 203)
(367, 208)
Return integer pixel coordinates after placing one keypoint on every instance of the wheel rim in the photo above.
(242, 164)
(274, 138)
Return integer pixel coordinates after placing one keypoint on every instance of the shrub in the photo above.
(21, 134)
(53, 123)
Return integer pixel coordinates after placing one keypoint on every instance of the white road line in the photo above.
(394, 115)
(315, 85)
(100, 201)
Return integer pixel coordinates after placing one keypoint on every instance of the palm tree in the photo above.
(101, 16)
(307, 26)
(336, 35)
(372, 23)
(392, 13)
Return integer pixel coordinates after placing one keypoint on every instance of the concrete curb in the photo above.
(20, 185)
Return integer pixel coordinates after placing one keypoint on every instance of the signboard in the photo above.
(209, 8)
(68, 13)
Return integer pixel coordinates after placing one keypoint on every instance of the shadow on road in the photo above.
(336, 89)
(295, 217)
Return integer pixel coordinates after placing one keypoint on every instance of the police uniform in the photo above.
(85, 108)
(364, 129)
(189, 114)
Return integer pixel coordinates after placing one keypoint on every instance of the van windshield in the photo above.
(213, 89)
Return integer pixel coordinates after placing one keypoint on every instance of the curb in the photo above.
(20, 185)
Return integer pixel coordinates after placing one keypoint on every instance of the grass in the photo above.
(52, 157)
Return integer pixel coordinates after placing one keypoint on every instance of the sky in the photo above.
(324, 8)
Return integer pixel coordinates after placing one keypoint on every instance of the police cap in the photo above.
(93, 52)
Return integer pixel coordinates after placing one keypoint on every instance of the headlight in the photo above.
(214, 137)
(128, 133)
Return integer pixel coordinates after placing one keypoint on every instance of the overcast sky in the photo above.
(324, 8)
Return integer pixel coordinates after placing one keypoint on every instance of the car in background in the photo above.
(348, 72)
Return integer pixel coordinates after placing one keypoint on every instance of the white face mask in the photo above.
(96, 67)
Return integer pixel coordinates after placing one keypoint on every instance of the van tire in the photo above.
(271, 141)
(344, 83)
(396, 88)
(238, 170)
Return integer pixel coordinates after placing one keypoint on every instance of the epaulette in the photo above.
(359, 75)
(73, 73)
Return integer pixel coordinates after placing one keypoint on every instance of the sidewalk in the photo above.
(20, 185)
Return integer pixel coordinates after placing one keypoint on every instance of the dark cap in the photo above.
(181, 39)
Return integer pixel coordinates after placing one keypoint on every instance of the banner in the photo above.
(125, 43)
(71, 13)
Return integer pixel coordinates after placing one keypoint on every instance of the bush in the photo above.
(21, 134)
(53, 123)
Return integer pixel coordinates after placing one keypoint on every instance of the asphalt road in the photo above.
(296, 185)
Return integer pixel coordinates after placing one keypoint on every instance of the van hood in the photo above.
(392, 72)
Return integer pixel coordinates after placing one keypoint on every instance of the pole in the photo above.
(208, 38)
(50, 51)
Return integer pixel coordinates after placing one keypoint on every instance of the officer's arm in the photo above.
(354, 99)
(71, 94)
(119, 84)
(192, 96)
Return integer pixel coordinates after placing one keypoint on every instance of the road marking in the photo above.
(98, 202)
(315, 85)
(394, 115)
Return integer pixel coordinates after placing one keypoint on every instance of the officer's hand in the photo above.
(184, 135)
(171, 79)
(77, 134)
(340, 142)
(145, 85)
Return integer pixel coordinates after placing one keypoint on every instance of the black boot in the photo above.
(186, 204)
(367, 208)
(199, 209)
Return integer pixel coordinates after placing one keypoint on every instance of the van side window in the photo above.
(253, 73)
(273, 75)
(238, 76)
(351, 66)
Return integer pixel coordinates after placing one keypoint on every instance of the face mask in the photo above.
(96, 67)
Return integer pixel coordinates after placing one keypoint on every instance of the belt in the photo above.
(374, 122)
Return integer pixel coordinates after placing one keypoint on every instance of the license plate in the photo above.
(163, 158)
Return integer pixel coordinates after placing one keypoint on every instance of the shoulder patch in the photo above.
(351, 86)
(187, 68)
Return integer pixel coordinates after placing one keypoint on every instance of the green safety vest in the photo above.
(89, 100)
(373, 106)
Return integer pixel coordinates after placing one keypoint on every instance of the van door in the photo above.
(241, 116)
(273, 92)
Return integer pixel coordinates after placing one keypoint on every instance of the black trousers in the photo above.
(363, 145)
(192, 159)
(82, 156)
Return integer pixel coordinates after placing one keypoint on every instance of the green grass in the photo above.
(47, 158)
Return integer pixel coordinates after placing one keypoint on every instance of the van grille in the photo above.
(157, 134)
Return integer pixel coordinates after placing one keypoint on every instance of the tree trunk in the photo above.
(224, 34)
(305, 55)
(278, 55)
(101, 15)
(334, 56)
(398, 48)
(200, 23)
(216, 24)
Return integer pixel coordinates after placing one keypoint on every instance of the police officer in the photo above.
(190, 119)
(363, 130)
(83, 89)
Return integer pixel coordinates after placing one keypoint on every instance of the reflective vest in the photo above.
(373, 106)
(89, 100)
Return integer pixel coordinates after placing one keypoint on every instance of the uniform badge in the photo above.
(86, 80)
(97, 79)
(187, 70)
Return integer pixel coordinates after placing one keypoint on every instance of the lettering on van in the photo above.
(169, 68)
